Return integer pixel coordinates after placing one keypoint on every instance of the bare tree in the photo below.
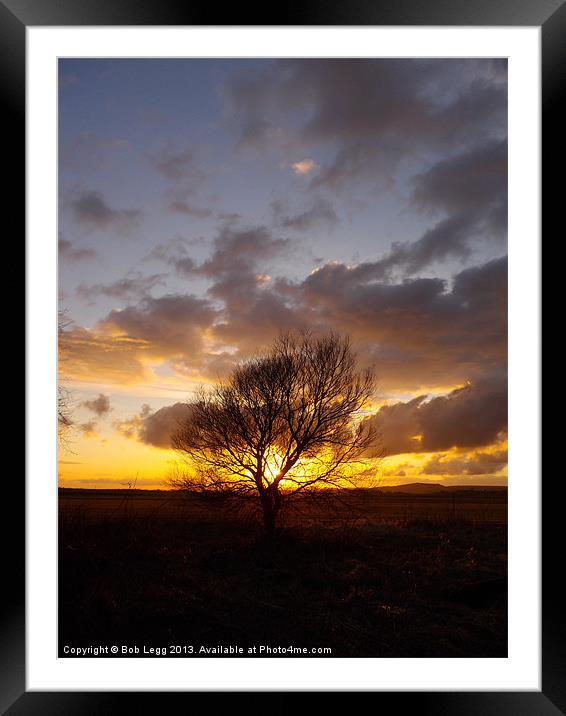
(283, 423)
(64, 398)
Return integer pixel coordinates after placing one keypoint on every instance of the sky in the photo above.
(207, 205)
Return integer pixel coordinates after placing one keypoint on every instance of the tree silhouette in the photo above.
(64, 397)
(283, 423)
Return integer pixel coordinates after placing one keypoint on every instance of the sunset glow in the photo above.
(207, 205)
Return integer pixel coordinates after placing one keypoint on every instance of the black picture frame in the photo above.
(15, 16)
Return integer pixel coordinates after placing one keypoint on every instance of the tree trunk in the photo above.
(269, 523)
(270, 502)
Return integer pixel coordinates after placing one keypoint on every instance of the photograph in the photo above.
(282, 399)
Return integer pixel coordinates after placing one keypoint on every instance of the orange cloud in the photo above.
(88, 355)
(304, 167)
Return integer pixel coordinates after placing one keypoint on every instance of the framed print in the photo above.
(283, 355)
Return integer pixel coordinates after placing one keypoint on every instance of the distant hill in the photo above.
(416, 488)
(412, 488)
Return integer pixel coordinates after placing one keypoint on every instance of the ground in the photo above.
(406, 576)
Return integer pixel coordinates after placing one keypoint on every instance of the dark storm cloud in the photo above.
(100, 405)
(469, 417)
(91, 209)
(69, 253)
(132, 286)
(155, 428)
(373, 112)
(320, 211)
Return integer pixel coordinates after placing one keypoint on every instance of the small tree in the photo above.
(282, 423)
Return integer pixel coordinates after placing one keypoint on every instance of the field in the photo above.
(384, 574)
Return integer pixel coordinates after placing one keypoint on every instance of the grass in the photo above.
(383, 586)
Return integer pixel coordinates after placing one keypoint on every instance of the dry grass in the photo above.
(157, 569)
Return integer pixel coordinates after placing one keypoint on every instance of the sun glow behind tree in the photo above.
(284, 423)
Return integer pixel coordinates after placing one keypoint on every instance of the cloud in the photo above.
(414, 330)
(171, 325)
(183, 207)
(417, 329)
(175, 253)
(321, 211)
(135, 285)
(235, 252)
(304, 167)
(89, 354)
(470, 189)
(471, 417)
(159, 427)
(468, 417)
(476, 463)
(471, 181)
(67, 252)
(184, 177)
(91, 209)
(371, 114)
(155, 428)
(448, 239)
(242, 249)
(88, 429)
(420, 333)
(252, 312)
(249, 310)
(129, 428)
(177, 164)
(373, 117)
(100, 405)
(369, 124)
